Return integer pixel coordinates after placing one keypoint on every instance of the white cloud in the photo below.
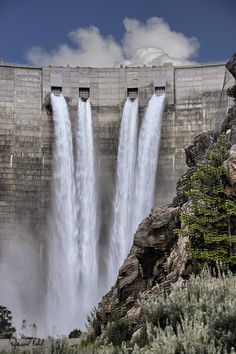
(150, 43)
(92, 49)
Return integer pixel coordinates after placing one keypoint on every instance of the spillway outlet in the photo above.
(84, 93)
(159, 90)
(132, 93)
(56, 90)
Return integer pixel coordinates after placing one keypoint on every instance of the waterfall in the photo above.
(71, 243)
(148, 148)
(86, 184)
(121, 231)
(62, 296)
(136, 175)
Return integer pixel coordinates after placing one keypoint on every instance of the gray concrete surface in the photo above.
(195, 103)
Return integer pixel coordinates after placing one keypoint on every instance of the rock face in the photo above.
(231, 166)
(229, 125)
(196, 152)
(152, 261)
(231, 65)
(158, 257)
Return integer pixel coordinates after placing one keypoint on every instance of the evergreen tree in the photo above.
(6, 328)
(207, 223)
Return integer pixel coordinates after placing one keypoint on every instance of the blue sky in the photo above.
(26, 24)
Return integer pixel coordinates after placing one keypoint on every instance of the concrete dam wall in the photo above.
(195, 102)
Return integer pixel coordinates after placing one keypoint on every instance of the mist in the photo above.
(21, 274)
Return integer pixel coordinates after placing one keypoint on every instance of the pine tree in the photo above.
(6, 328)
(208, 222)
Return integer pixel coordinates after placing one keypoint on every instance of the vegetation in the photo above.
(198, 316)
(76, 333)
(208, 220)
(231, 92)
(6, 328)
(118, 332)
(19, 350)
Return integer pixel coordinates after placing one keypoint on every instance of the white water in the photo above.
(72, 239)
(121, 231)
(136, 175)
(62, 295)
(148, 149)
(87, 212)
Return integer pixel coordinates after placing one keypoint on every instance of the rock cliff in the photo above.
(158, 257)
(231, 65)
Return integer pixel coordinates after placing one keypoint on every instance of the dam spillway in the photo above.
(147, 157)
(72, 234)
(28, 131)
(135, 177)
(87, 212)
(62, 245)
(72, 237)
(121, 230)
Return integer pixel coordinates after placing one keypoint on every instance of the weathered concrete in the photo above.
(195, 103)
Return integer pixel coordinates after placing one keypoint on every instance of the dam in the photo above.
(195, 100)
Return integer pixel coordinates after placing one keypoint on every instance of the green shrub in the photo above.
(197, 317)
(118, 332)
(140, 340)
(6, 328)
(61, 346)
(76, 333)
(93, 326)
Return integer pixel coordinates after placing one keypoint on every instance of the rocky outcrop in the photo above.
(230, 165)
(158, 258)
(229, 125)
(155, 261)
(231, 65)
(196, 152)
